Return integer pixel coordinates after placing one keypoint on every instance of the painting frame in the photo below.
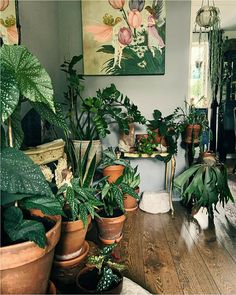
(125, 38)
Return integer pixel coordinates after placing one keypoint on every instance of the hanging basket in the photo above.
(207, 16)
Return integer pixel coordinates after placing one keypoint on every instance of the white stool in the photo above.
(155, 202)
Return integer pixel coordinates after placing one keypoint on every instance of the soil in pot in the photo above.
(110, 228)
(23, 261)
(88, 279)
(113, 172)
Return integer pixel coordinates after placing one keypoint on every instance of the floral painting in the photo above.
(8, 24)
(124, 37)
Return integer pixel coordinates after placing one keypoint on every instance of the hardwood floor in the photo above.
(181, 255)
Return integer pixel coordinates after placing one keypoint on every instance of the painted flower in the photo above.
(136, 4)
(125, 36)
(134, 19)
(140, 39)
(117, 4)
(3, 4)
(140, 54)
(142, 64)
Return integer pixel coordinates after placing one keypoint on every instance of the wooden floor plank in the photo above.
(191, 269)
(219, 262)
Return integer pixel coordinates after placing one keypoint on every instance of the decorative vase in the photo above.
(95, 149)
(127, 141)
(113, 172)
(192, 133)
(23, 261)
(110, 228)
(87, 280)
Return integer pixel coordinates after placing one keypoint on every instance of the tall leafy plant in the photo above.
(23, 185)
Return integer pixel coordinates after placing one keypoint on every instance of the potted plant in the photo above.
(23, 185)
(146, 143)
(112, 165)
(132, 179)
(204, 185)
(102, 274)
(111, 220)
(90, 118)
(78, 199)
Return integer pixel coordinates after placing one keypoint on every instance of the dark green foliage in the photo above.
(205, 184)
(105, 264)
(131, 177)
(110, 158)
(96, 113)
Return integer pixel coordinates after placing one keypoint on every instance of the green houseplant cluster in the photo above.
(23, 185)
(89, 118)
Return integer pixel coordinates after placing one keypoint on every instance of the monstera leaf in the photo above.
(22, 70)
(20, 175)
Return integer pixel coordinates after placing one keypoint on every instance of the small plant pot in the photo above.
(138, 137)
(192, 133)
(88, 278)
(130, 203)
(160, 139)
(23, 261)
(110, 228)
(113, 172)
(72, 239)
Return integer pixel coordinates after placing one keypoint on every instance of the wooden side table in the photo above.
(169, 170)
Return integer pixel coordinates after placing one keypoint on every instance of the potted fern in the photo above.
(112, 218)
(102, 274)
(28, 242)
(132, 179)
(204, 185)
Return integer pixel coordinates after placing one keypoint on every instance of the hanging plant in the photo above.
(207, 16)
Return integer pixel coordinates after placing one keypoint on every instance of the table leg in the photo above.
(167, 176)
(173, 166)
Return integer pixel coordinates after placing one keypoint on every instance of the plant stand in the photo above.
(169, 171)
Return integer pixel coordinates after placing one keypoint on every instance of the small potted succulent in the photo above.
(102, 274)
(78, 199)
(204, 185)
(132, 179)
(112, 165)
(112, 218)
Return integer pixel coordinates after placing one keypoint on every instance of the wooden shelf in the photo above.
(138, 155)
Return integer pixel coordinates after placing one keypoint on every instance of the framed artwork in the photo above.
(9, 22)
(124, 37)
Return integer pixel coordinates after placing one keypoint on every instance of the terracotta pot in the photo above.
(51, 288)
(113, 172)
(160, 139)
(95, 149)
(130, 203)
(23, 262)
(192, 133)
(87, 279)
(110, 228)
(74, 261)
(140, 136)
(72, 239)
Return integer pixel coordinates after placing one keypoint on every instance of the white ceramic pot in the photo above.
(95, 149)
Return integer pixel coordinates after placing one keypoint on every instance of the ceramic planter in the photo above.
(192, 133)
(130, 203)
(72, 239)
(207, 16)
(95, 149)
(110, 228)
(113, 172)
(25, 267)
(88, 278)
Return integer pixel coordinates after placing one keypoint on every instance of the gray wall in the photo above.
(52, 30)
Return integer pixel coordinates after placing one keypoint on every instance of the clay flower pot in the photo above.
(87, 280)
(23, 261)
(110, 228)
(130, 203)
(113, 172)
(51, 288)
(192, 133)
(72, 239)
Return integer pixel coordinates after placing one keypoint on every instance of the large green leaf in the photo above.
(17, 132)
(19, 229)
(48, 205)
(32, 79)
(56, 119)
(70, 197)
(20, 174)
(9, 93)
